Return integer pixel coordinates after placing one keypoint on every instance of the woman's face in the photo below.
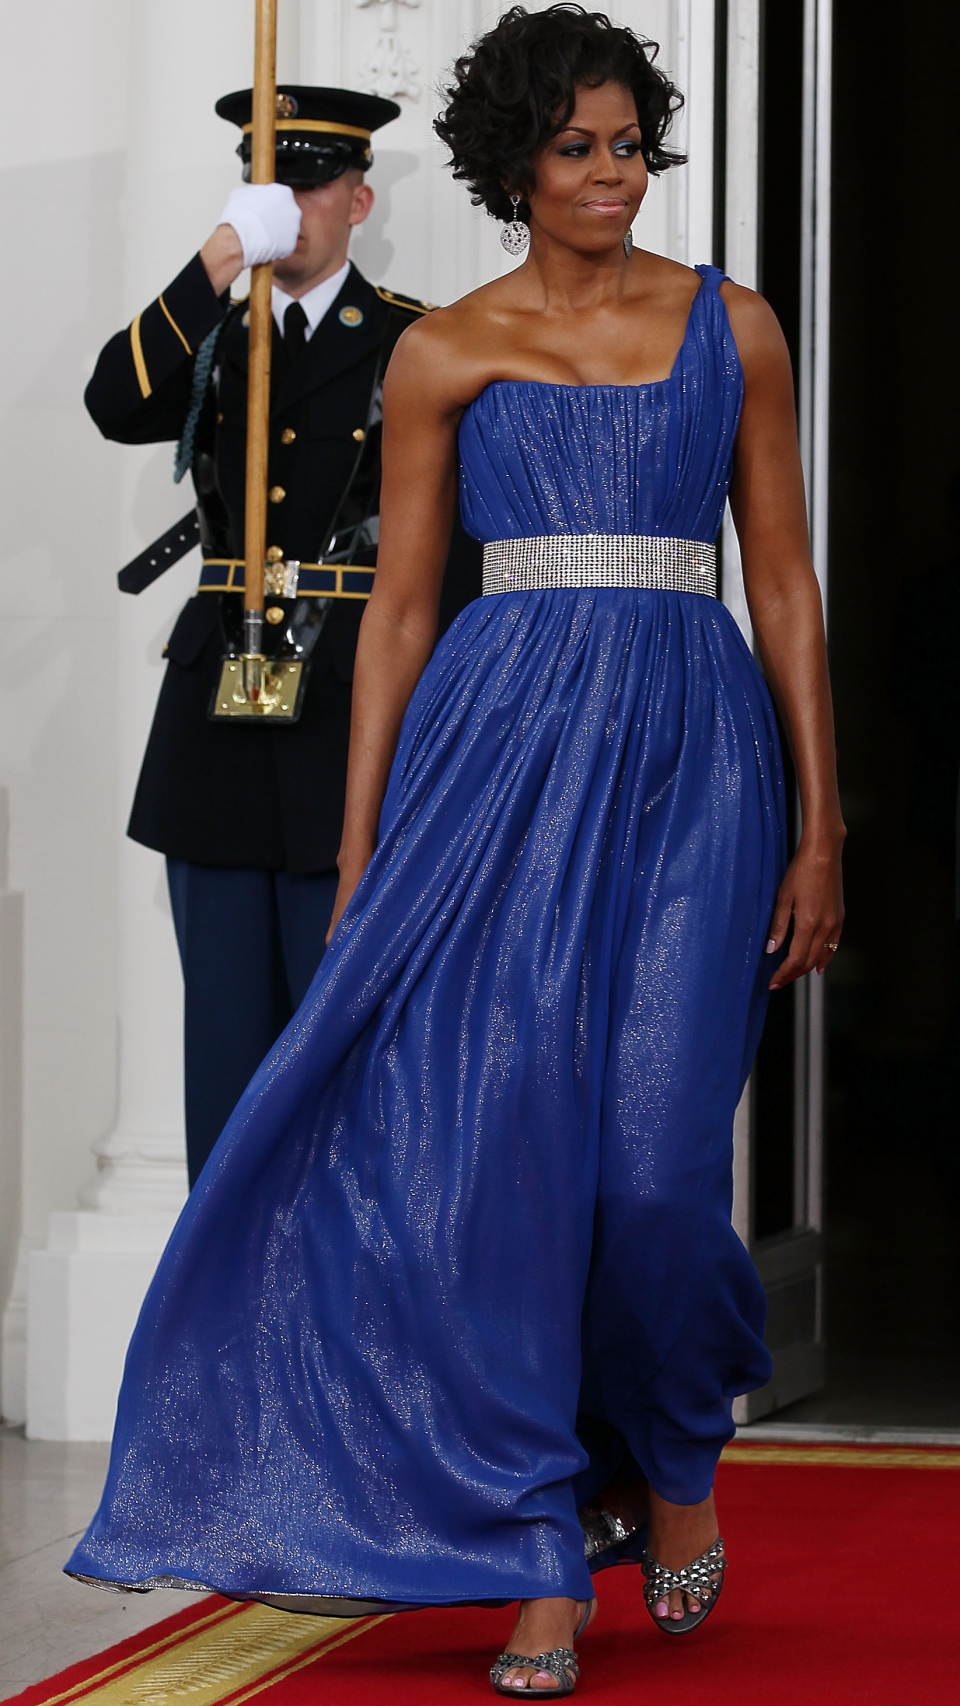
(591, 178)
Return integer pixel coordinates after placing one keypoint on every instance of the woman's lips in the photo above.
(605, 206)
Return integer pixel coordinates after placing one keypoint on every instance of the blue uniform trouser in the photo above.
(250, 943)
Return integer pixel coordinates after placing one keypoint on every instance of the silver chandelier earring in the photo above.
(628, 243)
(515, 236)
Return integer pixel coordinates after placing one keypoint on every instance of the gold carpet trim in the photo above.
(845, 1456)
(129, 1663)
(232, 1655)
(308, 1658)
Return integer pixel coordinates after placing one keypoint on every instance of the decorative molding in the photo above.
(391, 70)
(137, 1173)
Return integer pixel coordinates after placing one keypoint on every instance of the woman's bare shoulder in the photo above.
(472, 317)
(657, 281)
(754, 325)
(661, 271)
(445, 352)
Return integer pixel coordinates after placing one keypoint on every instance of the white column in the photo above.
(12, 1371)
(695, 73)
(86, 1287)
(742, 223)
(741, 236)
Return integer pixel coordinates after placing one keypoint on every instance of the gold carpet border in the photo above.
(132, 1660)
(846, 1456)
(208, 1664)
(301, 1663)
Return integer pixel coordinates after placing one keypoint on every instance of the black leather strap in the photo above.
(161, 555)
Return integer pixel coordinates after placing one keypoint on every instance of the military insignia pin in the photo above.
(286, 106)
(351, 316)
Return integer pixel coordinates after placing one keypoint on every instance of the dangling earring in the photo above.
(628, 243)
(515, 236)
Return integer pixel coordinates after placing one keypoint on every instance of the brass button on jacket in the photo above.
(274, 554)
(359, 434)
(276, 494)
(287, 436)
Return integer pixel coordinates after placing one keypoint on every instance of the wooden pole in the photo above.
(263, 161)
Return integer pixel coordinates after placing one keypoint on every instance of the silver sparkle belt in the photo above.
(599, 559)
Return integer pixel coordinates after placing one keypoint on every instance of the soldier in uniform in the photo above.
(249, 814)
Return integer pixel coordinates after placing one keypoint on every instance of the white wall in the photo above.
(114, 167)
(424, 237)
(62, 96)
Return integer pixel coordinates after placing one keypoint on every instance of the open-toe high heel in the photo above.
(560, 1662)
(702, 1580)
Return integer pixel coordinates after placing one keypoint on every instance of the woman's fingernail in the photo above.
(772, 945)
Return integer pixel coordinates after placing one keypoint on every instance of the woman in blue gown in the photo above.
(463, 1252)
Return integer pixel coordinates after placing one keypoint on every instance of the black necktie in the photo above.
(295, 324)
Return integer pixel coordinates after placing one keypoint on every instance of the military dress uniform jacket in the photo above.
(228, 794)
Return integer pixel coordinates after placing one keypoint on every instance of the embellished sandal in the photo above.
(608, 1539)
(560, 1662)
(602, 1531)
(697, 1579)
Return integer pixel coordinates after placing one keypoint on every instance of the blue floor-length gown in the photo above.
(479, 1194)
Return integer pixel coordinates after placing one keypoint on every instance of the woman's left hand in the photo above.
(811, 895)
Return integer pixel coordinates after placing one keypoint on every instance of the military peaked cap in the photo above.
(321, 133)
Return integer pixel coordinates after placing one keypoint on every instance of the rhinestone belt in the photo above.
(599, 559)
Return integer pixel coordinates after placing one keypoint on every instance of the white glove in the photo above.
(266, 219)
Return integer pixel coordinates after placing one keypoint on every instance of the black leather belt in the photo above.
(290, 579)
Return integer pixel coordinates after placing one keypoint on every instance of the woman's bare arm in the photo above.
(783, 597)
(397, 634)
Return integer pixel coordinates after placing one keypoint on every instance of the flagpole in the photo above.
(262, 164)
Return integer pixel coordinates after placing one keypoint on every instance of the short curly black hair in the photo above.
(516, 87)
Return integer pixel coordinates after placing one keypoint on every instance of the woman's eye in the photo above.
(578, 150)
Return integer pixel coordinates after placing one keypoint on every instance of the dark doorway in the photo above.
(893, 1149)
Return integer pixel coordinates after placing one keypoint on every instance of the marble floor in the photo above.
(48, 1493)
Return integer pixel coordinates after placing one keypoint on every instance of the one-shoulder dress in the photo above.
(473, 1211)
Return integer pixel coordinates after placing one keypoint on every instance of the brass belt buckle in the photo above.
(280, 579)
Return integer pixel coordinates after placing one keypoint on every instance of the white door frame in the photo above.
(790, 1265)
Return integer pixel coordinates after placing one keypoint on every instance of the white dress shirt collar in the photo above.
(316, 301)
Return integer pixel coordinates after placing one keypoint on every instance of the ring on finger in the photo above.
(831, 947)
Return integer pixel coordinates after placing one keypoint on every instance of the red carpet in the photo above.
(829, 1548)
